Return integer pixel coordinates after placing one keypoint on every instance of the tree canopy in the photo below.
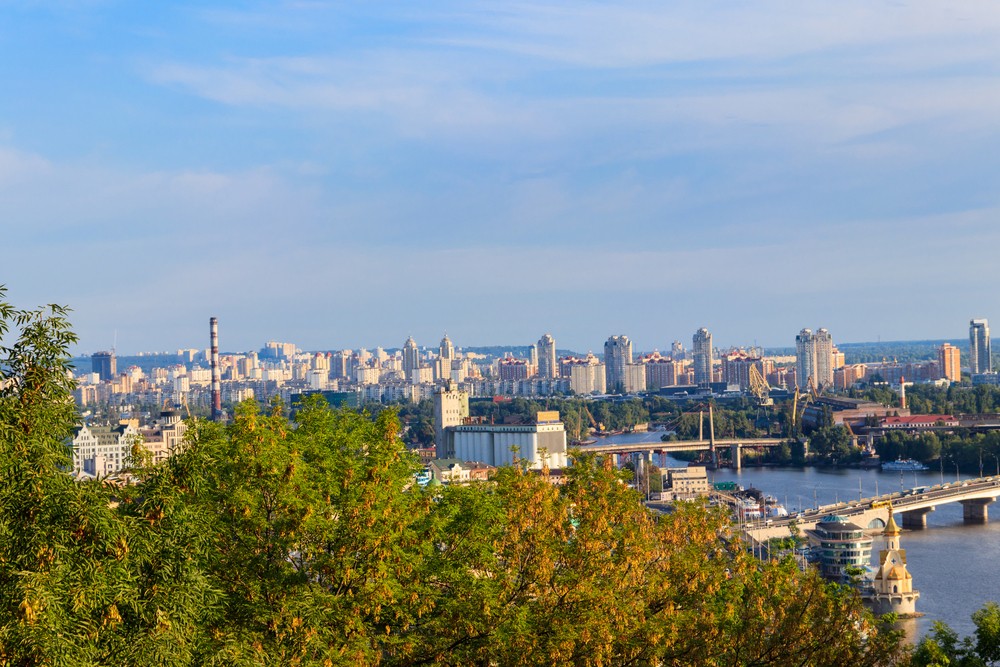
(270, 541)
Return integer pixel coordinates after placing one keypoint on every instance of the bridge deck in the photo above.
(861, 511)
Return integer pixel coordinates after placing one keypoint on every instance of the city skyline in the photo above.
(336, 174)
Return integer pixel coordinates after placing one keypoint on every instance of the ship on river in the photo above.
(904, 465)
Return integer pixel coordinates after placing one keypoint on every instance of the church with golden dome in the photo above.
(892, 587)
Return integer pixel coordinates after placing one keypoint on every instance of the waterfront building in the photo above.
(541, 444)
(685, 483)
(701, 351)
(546, 350)
(950, 362)
(892, 586)
(980, 356)
(845, 550)
(617, 355)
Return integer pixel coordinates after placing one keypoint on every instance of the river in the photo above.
(954, 566)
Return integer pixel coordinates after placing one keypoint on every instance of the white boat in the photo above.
(905, 465)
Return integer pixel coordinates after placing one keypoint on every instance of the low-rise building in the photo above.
(685, 483)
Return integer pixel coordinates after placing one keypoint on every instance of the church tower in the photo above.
(892, 587)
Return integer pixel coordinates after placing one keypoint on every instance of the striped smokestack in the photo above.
(216, 382)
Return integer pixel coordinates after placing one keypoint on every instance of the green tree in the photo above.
(307, 542)
(987, 634)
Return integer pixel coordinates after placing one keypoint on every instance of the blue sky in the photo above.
(347, 174)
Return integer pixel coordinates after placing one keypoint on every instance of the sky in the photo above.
(340, 174)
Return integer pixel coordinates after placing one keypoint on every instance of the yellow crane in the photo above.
(759, 387)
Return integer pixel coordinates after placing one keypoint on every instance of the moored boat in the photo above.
(905, 465)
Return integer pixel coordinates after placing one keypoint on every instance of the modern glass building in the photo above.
(844, 548)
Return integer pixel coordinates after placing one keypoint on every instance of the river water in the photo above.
(954, 566)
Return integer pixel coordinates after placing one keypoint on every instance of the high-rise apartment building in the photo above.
(411, 359)
(701, 352)
(617, 355)
(736, 366)
(105, 365)
(446, 355)
(980, 357)
(547, 357)
(823, 343)
(950, 362)
(814, 354)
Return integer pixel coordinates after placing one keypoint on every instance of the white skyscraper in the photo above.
(411, 359)
(814, 358)
(547, 357)
(980, 356)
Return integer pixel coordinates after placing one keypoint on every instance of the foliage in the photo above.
(942, 645)
(270, 542)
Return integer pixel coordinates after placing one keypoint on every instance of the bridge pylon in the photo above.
(916, 519)
(974, 510)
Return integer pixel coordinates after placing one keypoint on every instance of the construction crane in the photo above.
(812, 388)
(802, 400)
(759, 387)
(596, 425)
(761, 391)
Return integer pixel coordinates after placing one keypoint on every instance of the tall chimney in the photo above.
(902, 392)
(216, 382)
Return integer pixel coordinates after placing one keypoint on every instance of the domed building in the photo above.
(892, 586)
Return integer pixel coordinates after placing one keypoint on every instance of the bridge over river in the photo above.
(913, 504)
(735, 446)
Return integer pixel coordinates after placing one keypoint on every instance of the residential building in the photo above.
(411, 360)
(980, 355)
(814, 353)
(446, 356)
(586, 375)
(736, 368)
(547, 357)
(99, 451)
(635, 378)
(950, 362)
(617, 355)
(660, 371)
(510, 368)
